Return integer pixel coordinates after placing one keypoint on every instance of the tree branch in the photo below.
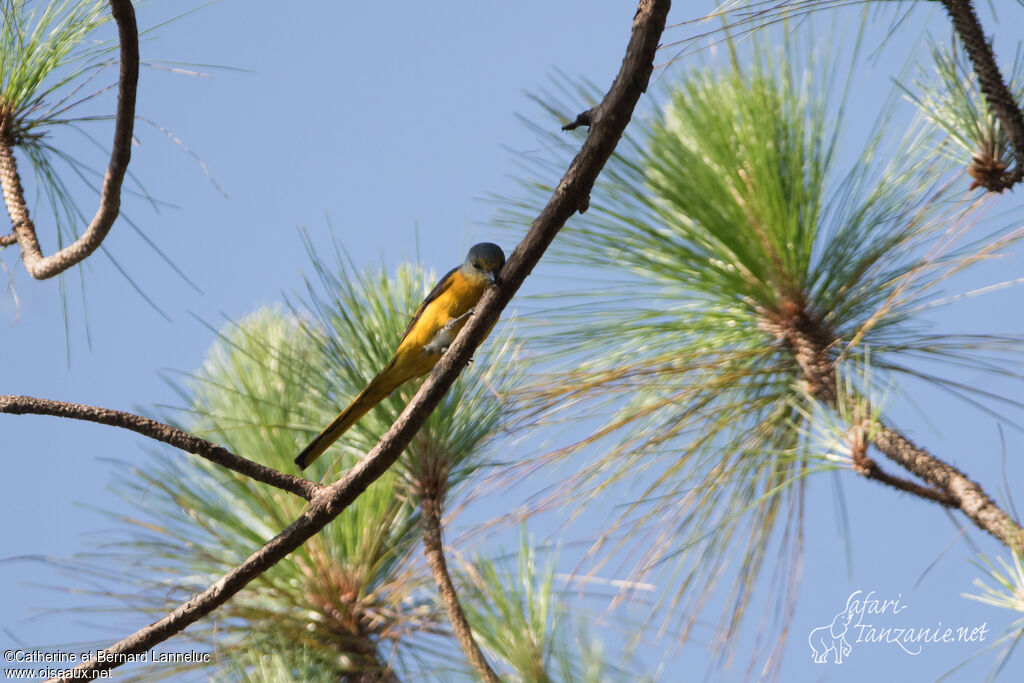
(573, 191)
(433, 549)
(999, 97)
(809, 342)
(868, 468)
(43, 267)
(27, 405)
(969, 496)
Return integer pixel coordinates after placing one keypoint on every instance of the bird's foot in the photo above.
(443, 338)
(455, 321)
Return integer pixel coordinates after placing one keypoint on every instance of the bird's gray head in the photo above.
(486, 259)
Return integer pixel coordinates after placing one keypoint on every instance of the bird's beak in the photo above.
(493, 278)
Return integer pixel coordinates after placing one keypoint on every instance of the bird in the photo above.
(433, 327)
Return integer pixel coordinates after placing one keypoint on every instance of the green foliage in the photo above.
(722, 226)
(42, 49)
(516, 615)
(836, 431)
(521, 619)
(1006, 591)
(268, 660)
(358, 323)
(48, 55)
(352, 598)
(342, 594)
(950, 98)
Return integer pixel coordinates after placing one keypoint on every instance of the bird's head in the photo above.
(484, 260)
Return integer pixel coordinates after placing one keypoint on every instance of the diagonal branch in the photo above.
(967, 494)
(806, 340)
(429, 475)
(27, 405)
(999, 97)
(866, 466)
(573, 191)
(43, 267)
(433, 549)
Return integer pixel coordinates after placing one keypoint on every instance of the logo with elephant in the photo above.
(831, 639)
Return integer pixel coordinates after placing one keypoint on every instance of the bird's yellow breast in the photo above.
(461, 294)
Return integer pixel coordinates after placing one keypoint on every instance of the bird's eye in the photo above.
(476, 264)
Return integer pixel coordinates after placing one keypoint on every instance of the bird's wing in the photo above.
(440, 288)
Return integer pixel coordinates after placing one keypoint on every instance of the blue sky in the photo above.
(395, 121)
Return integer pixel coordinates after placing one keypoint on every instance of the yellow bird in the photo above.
(433, 327)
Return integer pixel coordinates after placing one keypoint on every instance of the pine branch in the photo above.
(867, 467)
(806, 339)
(968, 495)
(27, 405)
(572, 194)
(433, 549)
(43, 267)
(999, 97)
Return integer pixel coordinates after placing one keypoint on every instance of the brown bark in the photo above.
(572, 193)
(1000, 99)
(969, 496)
(367, 667)
(24, 231)
(27, 405)
(433, 549)
(949, 486)
(867, 467)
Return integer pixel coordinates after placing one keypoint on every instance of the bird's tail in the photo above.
(386, 381)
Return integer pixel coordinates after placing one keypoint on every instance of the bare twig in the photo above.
(572, 193)
(999, 97)
(27, 405)
(43, 267)
(433, 549)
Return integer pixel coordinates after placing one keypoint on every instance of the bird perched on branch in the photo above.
(433, 327)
